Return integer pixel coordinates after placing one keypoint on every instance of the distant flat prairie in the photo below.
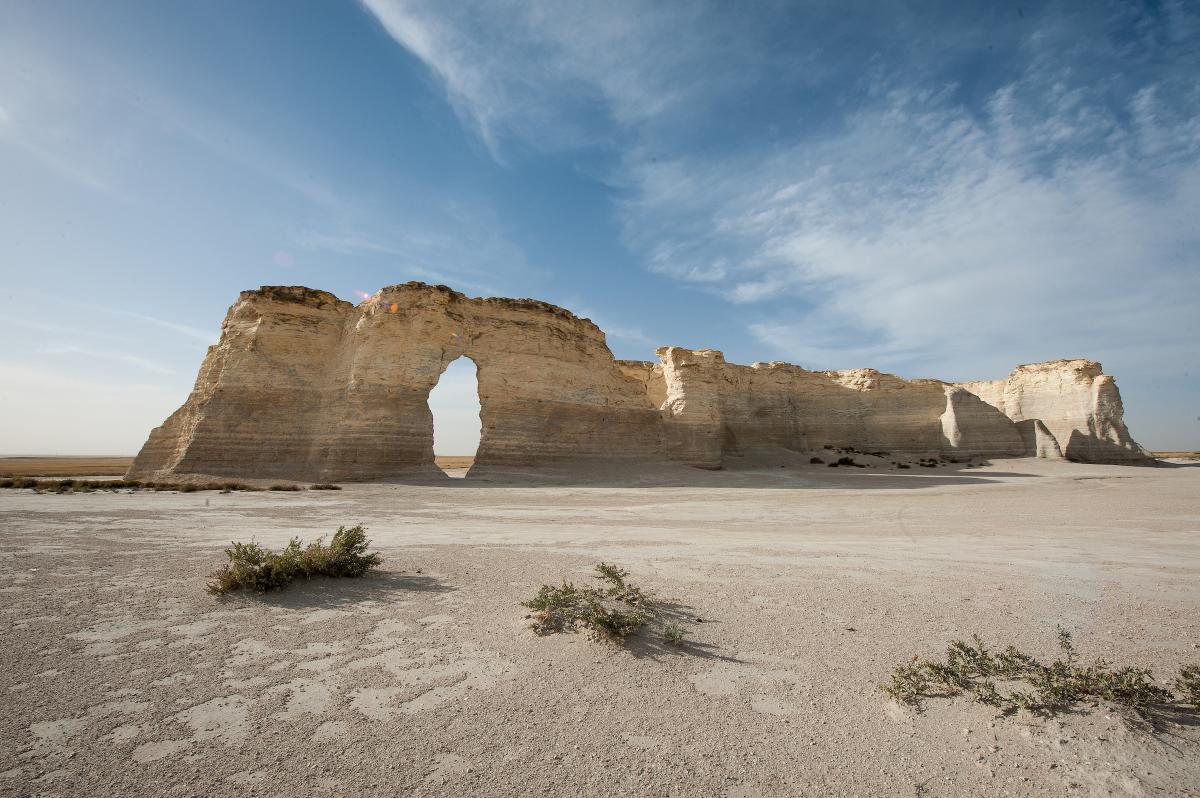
(64, 466)
(445, 461)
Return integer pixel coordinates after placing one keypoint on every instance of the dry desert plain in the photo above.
(800, 589)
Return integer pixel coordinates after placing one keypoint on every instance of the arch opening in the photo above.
(454, 404)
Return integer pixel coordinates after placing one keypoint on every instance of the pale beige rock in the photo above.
(1067, 408)
(305, 386)
(716, 410)
(1038, 440)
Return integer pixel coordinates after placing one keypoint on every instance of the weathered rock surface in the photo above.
(305, 386)
(714, 410)
(1066, 408)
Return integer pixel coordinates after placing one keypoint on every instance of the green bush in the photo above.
(973, 669)
(324, 486)
(251, 567)
(1188, 684)
(613, 611)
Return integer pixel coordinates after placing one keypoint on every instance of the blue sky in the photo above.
(932, 189)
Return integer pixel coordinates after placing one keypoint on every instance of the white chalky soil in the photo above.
(120, 676)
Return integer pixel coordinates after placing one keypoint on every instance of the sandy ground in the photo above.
(120, 676)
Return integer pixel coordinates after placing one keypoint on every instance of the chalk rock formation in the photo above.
(1067, 408)
(714, 410)
(305, 386)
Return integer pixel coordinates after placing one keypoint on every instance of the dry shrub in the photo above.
(1011, 680)
(251, 567)
(613, 611)
(90, 485)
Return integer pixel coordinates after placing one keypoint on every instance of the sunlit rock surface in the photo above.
(1071, 401)
(305, 386)
(713, 410)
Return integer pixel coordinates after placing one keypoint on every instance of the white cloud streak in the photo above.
(909, 229)
(94, 354)
(926, 238)
(194, 333)
(458, 243)
(566, 75)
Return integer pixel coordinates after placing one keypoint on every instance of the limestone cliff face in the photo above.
(716, 410)
(256, 409)
(1066, 408)
(305, 386)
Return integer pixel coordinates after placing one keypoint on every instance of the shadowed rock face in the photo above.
(1070, 408)
(713, 409)
(306, 386)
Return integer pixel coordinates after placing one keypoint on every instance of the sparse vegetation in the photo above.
(1188, 683)
(285, 487)
(1012, 680)
(815, 461)
(91, 485)
(846, 461)
(673, 633)
(324, 486)
(18, 482)
(251, 567)
(613, 611)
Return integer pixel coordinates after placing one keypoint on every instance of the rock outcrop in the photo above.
(305, 386)
(713, 410)
(1065, 408)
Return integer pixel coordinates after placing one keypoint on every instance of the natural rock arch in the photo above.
(306, 386)
(449, 413)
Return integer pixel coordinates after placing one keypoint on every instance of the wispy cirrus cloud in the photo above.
(561, 76)
(46, 300)
(100, 354)
(933, 239)
(1023, 194)
(459, 243)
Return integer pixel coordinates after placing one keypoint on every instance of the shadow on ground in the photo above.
(745, 476)
(326, 593)
(651, 644)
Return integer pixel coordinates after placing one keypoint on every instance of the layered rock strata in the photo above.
(305, 386)
(1066, 408)
(713, 410)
